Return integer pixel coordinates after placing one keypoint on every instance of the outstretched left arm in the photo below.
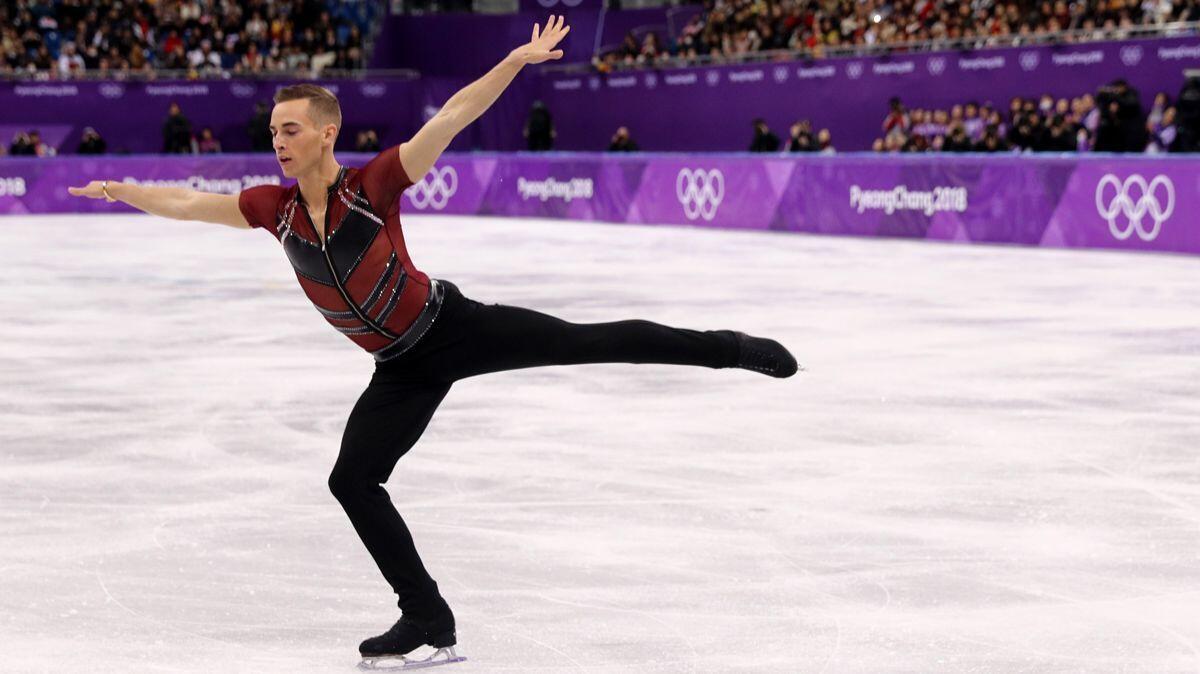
(418, 155)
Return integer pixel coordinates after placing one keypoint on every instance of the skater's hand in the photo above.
(541, 47)
(92, 190)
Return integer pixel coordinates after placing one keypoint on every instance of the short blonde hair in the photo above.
(322, 103)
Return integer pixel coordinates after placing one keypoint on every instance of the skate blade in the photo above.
(403, 663)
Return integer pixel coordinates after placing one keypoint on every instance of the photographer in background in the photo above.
(764, 140)
(1187, 118)
(1122, 125)
(91, 143)
(622, 141)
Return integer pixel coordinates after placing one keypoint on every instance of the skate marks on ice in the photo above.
(987, 467)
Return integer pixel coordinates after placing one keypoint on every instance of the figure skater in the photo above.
(340, 228)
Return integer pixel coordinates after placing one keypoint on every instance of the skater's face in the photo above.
(299, 140)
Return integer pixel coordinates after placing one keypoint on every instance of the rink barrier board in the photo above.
(1065, 201)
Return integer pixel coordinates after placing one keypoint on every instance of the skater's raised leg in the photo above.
(494, 337)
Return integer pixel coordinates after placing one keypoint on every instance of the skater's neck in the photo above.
(314, 185)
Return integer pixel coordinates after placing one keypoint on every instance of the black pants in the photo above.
(467, 339)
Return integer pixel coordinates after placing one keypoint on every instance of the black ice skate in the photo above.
(389, 651)
(765, 355)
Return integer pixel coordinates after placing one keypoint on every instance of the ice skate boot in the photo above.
(764, 355)
(390, 650)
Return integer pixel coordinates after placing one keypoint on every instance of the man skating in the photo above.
(340, 229)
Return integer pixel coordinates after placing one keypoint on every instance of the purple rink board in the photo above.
(1089, 201)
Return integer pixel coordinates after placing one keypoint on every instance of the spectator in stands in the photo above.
(539, 128)
(175, 59)
(622, 142)
(1045, 105)
(207, 143)
(897, 121)
(629, 50)
(825, 142)
(974, 120)
(91, 142)
(1060, 136)
(801, 137)
(958, 140)
(992, 141)
(259, 128)
(1088, 115)
(70, 63)
(689, 41)
(21, 146)
(929, 123)
(1022, 136)
(994, 119)
(40, 148)
(252, 61)
(764, 139)
(651, 51)
(367, 141)
(324, 58)
(203, 59)
(1163, 135)
(1154, 118)
(177, 132)
(914, 143)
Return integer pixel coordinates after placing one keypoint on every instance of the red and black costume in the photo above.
(425, 335)
(359, 276)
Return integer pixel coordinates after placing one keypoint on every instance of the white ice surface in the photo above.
(990, 466)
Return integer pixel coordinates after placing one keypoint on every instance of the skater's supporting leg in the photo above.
(386, 422)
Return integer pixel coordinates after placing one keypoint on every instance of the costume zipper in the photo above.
(337, 284)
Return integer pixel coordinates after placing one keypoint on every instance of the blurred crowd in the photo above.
(65, 38)
(178, 137)
(1112, 120)
(800, 139)
(540, 135)
(729, 28)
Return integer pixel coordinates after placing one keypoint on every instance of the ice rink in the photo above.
(991, 464)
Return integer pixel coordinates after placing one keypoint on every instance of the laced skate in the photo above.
(401, 663)
(390, 650)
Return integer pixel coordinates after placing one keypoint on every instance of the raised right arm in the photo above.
(171, 202)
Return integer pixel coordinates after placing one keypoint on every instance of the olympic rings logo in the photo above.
(435, 188)
(1134, 205)
(700, 192)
